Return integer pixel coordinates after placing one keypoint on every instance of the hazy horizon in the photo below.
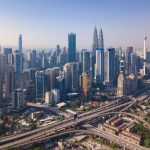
(44, 24)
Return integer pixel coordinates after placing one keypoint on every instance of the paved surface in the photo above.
(56, 128)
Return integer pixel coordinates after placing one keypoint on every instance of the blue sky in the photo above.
(45, 23)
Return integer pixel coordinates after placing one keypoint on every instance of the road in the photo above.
(17, 140)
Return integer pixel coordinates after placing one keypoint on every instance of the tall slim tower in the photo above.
(144, 67)
(101, 39)
(71, 47)
(95, 41)
(20, 43)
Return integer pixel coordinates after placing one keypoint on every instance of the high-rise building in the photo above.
(110, 66)
(144, 66)
(101, 39)
(18, 63)
(86, 61)
(86, 83)
(133, 64)
(9, 80)
(121, 88)
(71, 75)
(71, 47)
(51, 74)
(40, 85)
(99, 66)
(33, 58)
(1, 77)
(20, 43)
(95, 41)
(56, 95)
(8, 54)
(19, 98)
(129, 50)
(61, 86)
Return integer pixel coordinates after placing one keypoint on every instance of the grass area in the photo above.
(113, 146)
(144, 133)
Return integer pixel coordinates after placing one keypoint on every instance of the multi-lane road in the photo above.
(57, 127)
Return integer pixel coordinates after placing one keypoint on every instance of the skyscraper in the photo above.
(20, 43)
(85, 61)
(95, 41)
(7, 53)
(129, 50)
(110, 66)
(101, 39)
(40, 85)
(71, 75)
(99, 66)
(18, 59)
(71, 47)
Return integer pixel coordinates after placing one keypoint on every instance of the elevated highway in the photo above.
(22, 139)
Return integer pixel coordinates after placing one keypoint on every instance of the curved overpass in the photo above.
(114, 138)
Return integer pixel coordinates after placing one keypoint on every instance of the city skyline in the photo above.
(49, 22)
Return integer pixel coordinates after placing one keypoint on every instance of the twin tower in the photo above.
(98, 40)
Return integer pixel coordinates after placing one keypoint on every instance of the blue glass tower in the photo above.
(71, 47)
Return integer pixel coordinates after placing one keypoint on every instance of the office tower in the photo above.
(71, 47)
(99, 66)
(85, 61)
(1, 77)
(56, 95)
(20, 43)
(9, 80)
(51, 74)
(33, 58)
(61, 86)
(95, 41)
(19, 98)
(67, 77)
(110, 66)
(101, 39)
(121, 88)
(129, 50)
(133, 64)
(40, 85)
(119, 52)
(144, 66)
(71, 75)
(122, 66)
(8, 54)
(86, 83)
(75, 77)
(58, 50)
(18, 63)
(131, 83)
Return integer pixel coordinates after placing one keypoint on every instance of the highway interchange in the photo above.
(58, 127)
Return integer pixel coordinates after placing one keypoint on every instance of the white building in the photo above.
(56, 95)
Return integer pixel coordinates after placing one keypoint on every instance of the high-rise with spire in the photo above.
(20, 43)
(95, 41)
(101, 39)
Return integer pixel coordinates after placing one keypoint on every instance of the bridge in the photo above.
(57, 127)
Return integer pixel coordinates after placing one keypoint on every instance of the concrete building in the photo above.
(56, 95)
(109, 66)
(51, 74)
(99, 66)
(40, 85)
(18, 98)
(71, 47)
(121, 88)
(86, 83)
